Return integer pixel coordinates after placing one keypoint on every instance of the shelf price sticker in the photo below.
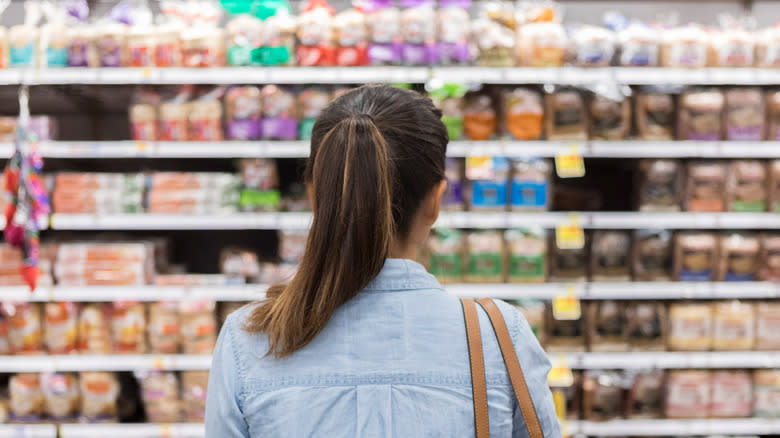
(560, 375)
(566, 306)
(570, 164)
(165, 431)
(569, 235)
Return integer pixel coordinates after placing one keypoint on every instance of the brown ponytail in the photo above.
(375, 153)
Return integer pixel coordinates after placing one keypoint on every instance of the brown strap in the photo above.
(513, 368)
(478, 384)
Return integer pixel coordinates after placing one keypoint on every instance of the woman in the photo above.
(363, 342)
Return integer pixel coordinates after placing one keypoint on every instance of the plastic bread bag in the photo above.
(164, 327)
(311, 102)
(564, 335)
(695, 256)
(610, 113)
(739, 257)
(652, 255)
(734, 325)
(244, 33)
(292, 245)
(732, 394)
(61, 327)
(733, 45)
(646, 325)
(544, 45)
(446, 255)
(745, 114)
(3, 62)
(479, 117)
(773, 115)
(81, 38)
(142, 46)
(384, 30)
(610, 258)
(160, 396)
(661, 185)
(174, 116)
(767, 325)
(194, 385)
(774, 186)
(685, 46)
(766, 393)
(279, 114)
(688, 394)
(706, 186)
(53, 42)
(701, 115)
(747, 186)
(418, 29)
(205, 117)
(315, 35)
(484, 257)
(99, 394)
(128, 327)
(608, 328)
(448, 97)
(453, 26)
(25, 327)
(5, 347)
(23, 38)
(603, 395)
(565, 115)
(143, 115)
(168, 52)
(770, 257)
(488, 180)
(690, 327)
(243, 109)
(655, 115)
(594, 46)
(494, 34)
(531, 185)
(524, 111)
(526, 255)
(568, 265)
(646, 394)
(768, 47)
(26, 402)
(61, 392)
(351, 38)
(278, 39)
(639, 45)
(110, 44)
(93, 330)
(198, 326)
(202, 46)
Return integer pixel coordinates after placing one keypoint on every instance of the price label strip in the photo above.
(566, 307)
(570, 164)
(570, 235)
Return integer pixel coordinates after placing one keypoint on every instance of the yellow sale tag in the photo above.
(146, 73)
(569, 235)
(158, 363)
(559, 399)
(165, 431)
(570, 164)
(560, 376)
(567, 307)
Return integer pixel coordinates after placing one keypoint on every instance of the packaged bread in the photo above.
(568, 265)
(732, 394)
(661, 185)
(608, 327)
(686, 46)
(524, 112)
(739, 257)
(494, 34)
(646, 396)
(564, 335)
(479, 117)
(315, 36)
(745, 114)
(688, 394)
(418, 29)
(770, 257)
(610, 258)
(160, 395)
(174, 117)
(767, 325)
(701, 115)
(489, 181)
(526, 255)
(774, 186)
(81, 47)
(193, 394)
(768, 47)
(164, 327)
(93, 329)
(61, 327)
(292, 245)
(26, 402)
(594, 46)
(311, 102)
(766, 393)
(61, 392)
(128, 327)
(110, 41)
(733, 326)
(202, 46)
(530, 186)
(279, 114)
(453, 25)
(544, 44)
(690, 326)
(484, 257)
(143, 122)
(25, 328)
(573, 396)
(239, 263)
(198, 326)
(733, 47)
(141, 46)
(242, 113)
(277, 45)
(384, 30)
(204, 121)
(23, 40)
(747, 185)
(652, 255)
(99, 394)
(260, 184)
(566, 117)
(655, 115)
(639, 45)
(610, 117)
(446, 254)
(602, 394)
(169, 51)
(695, 256)
(772, 102)
(243, 35)
(451, 106)
(646, 325)
(5, 347)
(705, 187)
(454, 196)
(351, 36)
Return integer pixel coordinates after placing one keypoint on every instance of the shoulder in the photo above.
(234, 335)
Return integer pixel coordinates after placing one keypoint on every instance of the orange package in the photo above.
(524, 114)
(479, 117)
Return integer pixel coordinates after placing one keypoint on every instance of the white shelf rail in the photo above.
(28, 431)
(106, 362)
(133, 430)
(704, 427)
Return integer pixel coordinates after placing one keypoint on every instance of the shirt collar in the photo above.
(402, 274)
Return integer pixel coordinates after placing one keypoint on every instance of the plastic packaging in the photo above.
(732, 394)
(260, 185)
(733, 326)
(745, 114)
(647, 328)
(128, 327)
(453, 26)
(740, 256)
(524, 111)
(770, 257)
(205, 117)
(279, 118)
(23, 38)
(530, 185)
(311, 102)
(278, 40)
(646, 396)
(526, 255)
(110, 44)
(661, 185)
(198, 327)
(315, 36)
(418, 30)
(768, 48)
(174, 117)
(594, 46)
(610, 258)
(639, 45)
(446, 251)
(732, 47)
(292, 245)
(494, 32)
(690, 327)
(351, 38)
(243, 109)
(695, 256)
(164, 327)
(202, 46)
(774, 186)
(454, 196)
(688, 394)
(94, 335)
(243, 39)
(143, 116)
(61, 327)
(99, 394)
(568, 265)
(685, 46)
(608, 328)
(610, 116)
(53, 42)
(566, 116)
(564, 335)
(747, 186)
(484, 257)
(479, 117)
(701, 115)
(194, 384)
(652, 252)
(160, 395)
(489, 181)
(655, 115)
(26, 402)
(25, 328)
(61, 392)
(767, 325)
(602, 395)
(766, 390)
(706, 186)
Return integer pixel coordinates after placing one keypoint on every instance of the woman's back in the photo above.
(391, 362)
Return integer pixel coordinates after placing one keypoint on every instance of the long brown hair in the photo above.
(376, 152)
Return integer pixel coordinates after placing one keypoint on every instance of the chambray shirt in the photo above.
(391, 362)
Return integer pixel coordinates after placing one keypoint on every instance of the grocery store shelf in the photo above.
(28, 431)
(237, 221)
(137, 293)
(109, 362)
(719, 427)
(127, 430)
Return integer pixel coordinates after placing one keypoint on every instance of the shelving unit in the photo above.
(736, 426)
(28, 431)
(145, 430)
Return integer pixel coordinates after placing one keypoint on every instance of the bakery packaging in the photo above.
(739, 257)
(647, 326)
(608, 327)
(530, 185)
(705, 188)
(602, 393)
(564, 335)
(568, 265)
(524, 112)
(695, 256)
(610, 117)
(734, 325)
(646, 396)
(748, 186)
(701, 115)
(690, 326)
(610, 258)
(745, 114)
(484, 257)
(526, 255)
(566, 116)
(732, 394)
(445, 255)
(661, 185)
(688, 394)
(655, 115)
(652, 255)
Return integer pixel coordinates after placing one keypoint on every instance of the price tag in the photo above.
(146, 73)
(158, 363)
(569, 235)
(479, 167)
(560, 376)
(566, 307)
(165, 431)
(141, 148)
(570, 164)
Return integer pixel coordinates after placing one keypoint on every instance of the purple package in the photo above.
(385, 53)
(279, 128)
(419, 54)
(44, 127)
(454, 52)
(77, 52)
(745, 133)
(244, 129)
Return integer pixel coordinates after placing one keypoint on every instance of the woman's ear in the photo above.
(433, 202)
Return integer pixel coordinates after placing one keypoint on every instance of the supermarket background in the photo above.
(613, 168)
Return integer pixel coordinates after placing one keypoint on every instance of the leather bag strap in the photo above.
(512, 366)
(476, 359)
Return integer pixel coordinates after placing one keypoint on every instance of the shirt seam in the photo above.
(239, 364)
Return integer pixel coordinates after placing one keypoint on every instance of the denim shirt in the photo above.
(391, 362)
